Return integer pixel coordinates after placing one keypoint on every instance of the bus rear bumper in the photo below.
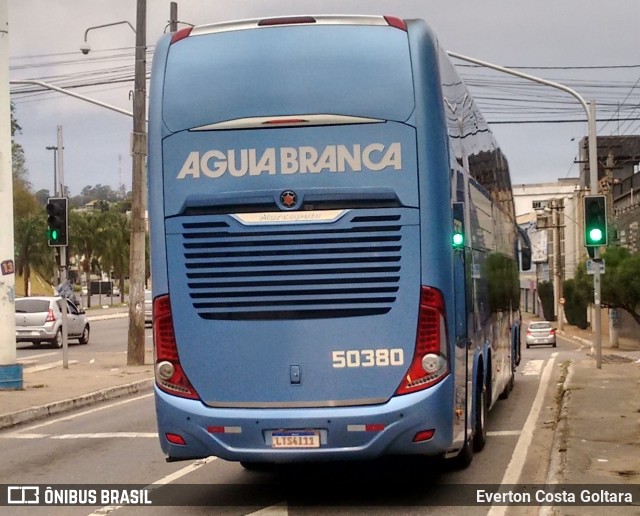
(343, 433)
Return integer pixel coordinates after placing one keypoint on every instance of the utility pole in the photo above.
(10, 370)
(173, 16)
(62, 251)
(556, 206)
(609, 180)
(135, 344)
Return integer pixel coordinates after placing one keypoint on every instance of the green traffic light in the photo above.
(458, 239)
(595, 235)
(54, 235)
(595, 220)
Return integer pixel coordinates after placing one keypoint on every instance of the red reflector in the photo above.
(374, 428)
(175, 439)
(181, 34)
(285, 121)
(425, 435)
(398, 23)
(215, 429)
(286, 21)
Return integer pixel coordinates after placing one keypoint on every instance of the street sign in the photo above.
(591, 266)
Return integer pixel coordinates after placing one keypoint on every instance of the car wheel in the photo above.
(84, 338)
(57, 341)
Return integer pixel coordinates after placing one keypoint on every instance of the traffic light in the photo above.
(595, 220)
(57, 213)
(457, 238)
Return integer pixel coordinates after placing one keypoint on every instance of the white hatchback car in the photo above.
(39, 319)
(541, 333)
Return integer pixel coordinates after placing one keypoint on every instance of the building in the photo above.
(551, 215)
(619, 180)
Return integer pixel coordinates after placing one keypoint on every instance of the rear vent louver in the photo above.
(292, 271)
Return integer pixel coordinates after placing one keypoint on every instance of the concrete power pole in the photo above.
(609, 179)
(135, 344)
(173, 16)
(556, 206)
(10, 370)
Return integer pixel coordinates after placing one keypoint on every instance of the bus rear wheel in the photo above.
(480, 434)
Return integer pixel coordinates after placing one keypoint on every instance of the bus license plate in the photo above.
(306, 439)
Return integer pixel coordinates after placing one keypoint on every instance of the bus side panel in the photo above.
(434, 183)
(155, 175)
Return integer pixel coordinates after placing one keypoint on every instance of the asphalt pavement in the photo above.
(52, 389)
(597, 437)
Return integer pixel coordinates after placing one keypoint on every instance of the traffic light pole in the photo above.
(63, 252)
(593, 186)
(590, 111)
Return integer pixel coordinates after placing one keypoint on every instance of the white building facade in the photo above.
(552, 215)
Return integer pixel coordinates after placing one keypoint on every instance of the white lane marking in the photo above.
(502, 433)
(20, 435)
(280, 509)
(107, 435)
(97, 435)
(85, 412)
(533, 367)
(514, 469)
(163, 481)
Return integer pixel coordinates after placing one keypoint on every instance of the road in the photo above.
(116, 443)
(108, 335)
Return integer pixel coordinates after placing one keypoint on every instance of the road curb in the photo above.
(59, 407)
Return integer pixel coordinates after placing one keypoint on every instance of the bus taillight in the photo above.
(430, 362)
(169, 374)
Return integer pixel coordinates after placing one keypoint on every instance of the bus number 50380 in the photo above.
(368, 358)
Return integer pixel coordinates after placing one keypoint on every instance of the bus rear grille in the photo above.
(293, 272)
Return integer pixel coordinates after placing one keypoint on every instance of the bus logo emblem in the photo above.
(289, 199)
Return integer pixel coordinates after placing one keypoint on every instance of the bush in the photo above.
(575, 307)
(545, 293)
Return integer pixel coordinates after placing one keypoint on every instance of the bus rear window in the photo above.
(288, 70)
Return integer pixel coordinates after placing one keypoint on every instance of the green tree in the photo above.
(545, 293)
(114, 245)
(84, 229)
(621, 282)
(31, 250)
(32, 254)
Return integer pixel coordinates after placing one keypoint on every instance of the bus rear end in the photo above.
(300, 307)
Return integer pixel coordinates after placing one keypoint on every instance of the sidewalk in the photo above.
(598, 435)
(90, 378)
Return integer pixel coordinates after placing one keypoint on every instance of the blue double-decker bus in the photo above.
(333, 243)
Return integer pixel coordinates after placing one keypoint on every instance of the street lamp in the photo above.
(85, 48)
(136, 341)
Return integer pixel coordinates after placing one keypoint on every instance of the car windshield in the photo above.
(32, 306)
(540, 326)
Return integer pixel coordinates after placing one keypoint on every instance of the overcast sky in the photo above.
(589, 44)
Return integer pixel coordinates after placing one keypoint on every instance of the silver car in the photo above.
(39, 319)
(148, 308)
(541, 333)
